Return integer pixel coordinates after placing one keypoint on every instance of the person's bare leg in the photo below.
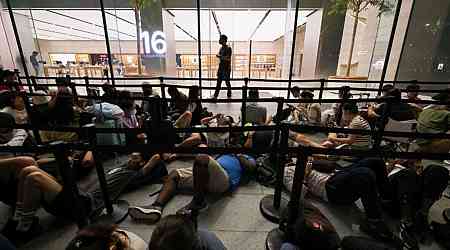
(194, 140)
(201, 178)
(155, 160)
(17, 163)
(168, 190)
(36, 185)
(184, 120)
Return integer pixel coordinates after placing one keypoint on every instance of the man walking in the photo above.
(224, 66)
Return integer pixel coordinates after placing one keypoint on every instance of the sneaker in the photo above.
(187, 210)
(407, 237)
(19, 238)
(150, 214)
(377, 229)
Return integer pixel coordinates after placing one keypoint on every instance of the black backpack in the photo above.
(313, 231)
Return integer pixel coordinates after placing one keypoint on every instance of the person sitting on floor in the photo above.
(9, 136)
(106, 237)
(36, 188)
(211, 139)
(398, 111)
(345, 95)
(363, 180)
(195, 105)
(412, 94)
(255, 114)
(179, 104)
(309, 112)
(435, 119)
(179, 232)
(208, 175)
(354, 121)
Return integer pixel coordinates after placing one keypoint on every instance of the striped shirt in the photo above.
(360, 123)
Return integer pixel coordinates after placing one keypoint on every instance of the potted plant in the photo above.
(356, 7)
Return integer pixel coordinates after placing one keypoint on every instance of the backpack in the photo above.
(312, 230)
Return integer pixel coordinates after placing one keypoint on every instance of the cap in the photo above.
(306, 94)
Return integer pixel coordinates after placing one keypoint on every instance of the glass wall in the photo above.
(160, 38)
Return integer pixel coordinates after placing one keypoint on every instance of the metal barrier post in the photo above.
(117, 212)
(108, 47)
(66, 171)
(73, 88)
(86, 83)
(294, 38)
(244, 105)
(384, 119)
(286, 230)
(322, 86)
(272, 205)
(163, 87)
(281, 161)
(33, 82)
(29, 110)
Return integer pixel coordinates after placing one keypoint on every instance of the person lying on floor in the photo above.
(37, 188)
(353, 120)
(362, 181)
(208, 175)
(179, 232)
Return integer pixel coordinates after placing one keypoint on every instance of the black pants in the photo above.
(223, 75)
(359, 181)
(415, 192)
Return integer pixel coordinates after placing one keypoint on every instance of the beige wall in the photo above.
(311, 47)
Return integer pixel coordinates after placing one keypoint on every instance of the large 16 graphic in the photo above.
(156, 42)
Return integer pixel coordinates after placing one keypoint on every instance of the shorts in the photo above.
(63, 205)
(218, 182)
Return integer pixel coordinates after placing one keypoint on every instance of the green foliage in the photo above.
(140, 4)
(341, 6)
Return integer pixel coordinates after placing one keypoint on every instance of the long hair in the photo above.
(98, 237)
(174, 232)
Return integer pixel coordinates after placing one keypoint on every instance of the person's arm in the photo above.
(18, 139)
(207, 120)
(249, 142)
(347, 140)
(151, 164)
(372, 112)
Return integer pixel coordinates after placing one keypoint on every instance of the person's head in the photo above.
(307, 94)
(295, 91)
(125, 100)
(386, 88)
(225, 120)
(62, 82)
(349, 111)
(223, 40)
(147, 89)
(194, 93)
(100, 236)
(35, 53)
(395, 94)
(7, 99)
(443, 96)
(253, 93)
(7, 123)
(137, 160)
(173, 91)
(344, 92)
(108, 89)
(248, 164)
(62, 112)
(174, 232)
(412, 91)
(9, 76)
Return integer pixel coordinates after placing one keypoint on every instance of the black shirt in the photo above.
(225, 52)
(399, 111)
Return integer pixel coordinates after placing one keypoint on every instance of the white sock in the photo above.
(25, 221)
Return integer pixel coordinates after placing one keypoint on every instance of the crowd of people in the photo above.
(407, 187)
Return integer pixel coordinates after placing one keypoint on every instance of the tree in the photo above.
(138, 5)
(356, 6)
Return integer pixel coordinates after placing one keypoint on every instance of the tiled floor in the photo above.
(236, 218)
